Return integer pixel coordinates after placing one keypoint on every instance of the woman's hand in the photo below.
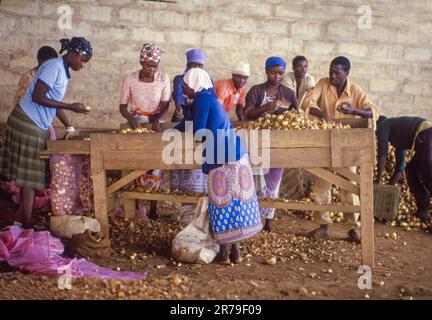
(178, 114)
(133, 123)
(156, 126)
(69, 135)
(78, 107)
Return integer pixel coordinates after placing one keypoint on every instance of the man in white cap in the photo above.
(232, 92)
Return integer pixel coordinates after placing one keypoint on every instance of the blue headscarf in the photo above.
(196, 55)
(275, 61)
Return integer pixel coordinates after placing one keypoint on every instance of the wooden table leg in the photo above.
(366, 211)
(129, 208)
(99, 185)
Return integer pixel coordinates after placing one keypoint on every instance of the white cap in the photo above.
(242, 68)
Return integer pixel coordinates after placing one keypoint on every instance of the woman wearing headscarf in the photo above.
(146, 92)
(27, 127)
(187, 180)
(270, 97)
(195, 59)
(233, 206)
(144, 98)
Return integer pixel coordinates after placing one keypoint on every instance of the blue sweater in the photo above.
(207, 113)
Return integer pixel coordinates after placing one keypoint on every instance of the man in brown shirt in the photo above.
(334, 98)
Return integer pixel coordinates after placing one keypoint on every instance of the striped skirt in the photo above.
(19, 157)
(188, 180)
(233, 204)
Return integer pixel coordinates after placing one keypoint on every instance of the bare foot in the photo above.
(354, 235)
(235, 255)
(153, 211)
(222, 256)
(268, 225)
(319, 233)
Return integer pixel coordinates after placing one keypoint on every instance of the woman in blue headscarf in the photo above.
(270, 97)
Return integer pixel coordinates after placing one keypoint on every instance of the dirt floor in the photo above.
(304, 269)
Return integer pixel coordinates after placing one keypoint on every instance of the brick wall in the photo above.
(391, 60)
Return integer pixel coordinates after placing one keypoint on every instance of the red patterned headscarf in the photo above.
(150, 52)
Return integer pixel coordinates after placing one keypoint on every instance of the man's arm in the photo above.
(239, 112)
(311, 100)
(364, 113)
(363, 107)
(383, 134)
(318, 113)
(399, 167)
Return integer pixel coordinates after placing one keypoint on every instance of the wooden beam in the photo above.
(125, 180)
(129, 208)
(366, 211)
(99, 185)
(68, 147)
(278, 204)
(346, 173)
(335, 179)
(160, 197)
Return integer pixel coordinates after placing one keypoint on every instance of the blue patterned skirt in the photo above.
(233, 204)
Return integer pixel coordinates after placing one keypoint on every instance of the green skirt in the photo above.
(19, 157)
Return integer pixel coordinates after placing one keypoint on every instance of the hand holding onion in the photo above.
(79, 107)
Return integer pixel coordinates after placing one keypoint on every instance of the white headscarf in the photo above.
(198, 79)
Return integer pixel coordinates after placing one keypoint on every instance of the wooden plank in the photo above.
(168, 125)
(279, 204)
(355, 122)
(336, 147)
(129, 208)
(99, 185)
(366, 211)
(279, 158)
(160, 197)
(345, 172)
(310, 158)
(334, 179)
(279, 139)
(68, 147)
(151, 141)
(125, 180)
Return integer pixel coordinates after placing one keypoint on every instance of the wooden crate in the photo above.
(386, 201)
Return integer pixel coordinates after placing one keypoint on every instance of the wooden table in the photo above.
(325, 153)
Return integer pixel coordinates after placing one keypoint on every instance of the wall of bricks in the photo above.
(391, 60)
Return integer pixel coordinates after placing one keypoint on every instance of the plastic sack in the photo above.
(195, 243)
(39, 253)
(186, 214)
(42, 197)
(86, 184)
(65, 184)
(69, 225)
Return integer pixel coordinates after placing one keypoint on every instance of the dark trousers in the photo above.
(419, 171)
